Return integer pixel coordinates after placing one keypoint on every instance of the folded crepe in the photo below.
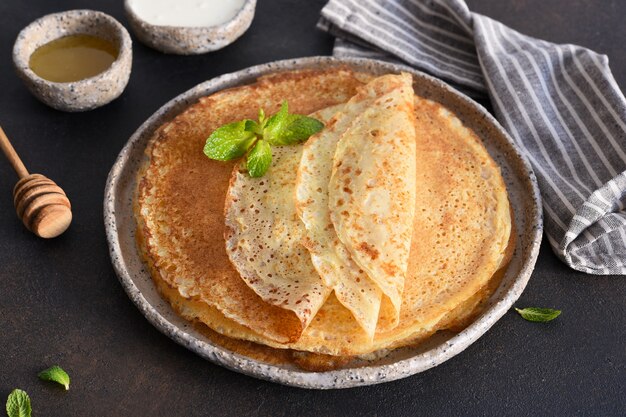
(460, 235)
(371, 193)
(334, 203)
(179, 206)
(264, 237)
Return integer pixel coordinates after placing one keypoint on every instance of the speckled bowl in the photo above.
(191, 40)
(80, 95)
(518, 175)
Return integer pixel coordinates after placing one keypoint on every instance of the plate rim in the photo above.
(342, 378)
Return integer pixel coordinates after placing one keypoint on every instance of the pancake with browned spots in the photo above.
(460, 232)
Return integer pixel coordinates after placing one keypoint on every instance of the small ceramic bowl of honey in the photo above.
(75, 60)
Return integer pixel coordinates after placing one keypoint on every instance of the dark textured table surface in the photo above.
(60, 301)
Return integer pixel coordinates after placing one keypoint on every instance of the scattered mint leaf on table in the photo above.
(18, 404)
(234, 140)
(55, 374)
(539, 315)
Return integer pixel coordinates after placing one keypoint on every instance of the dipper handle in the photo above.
(11, 155)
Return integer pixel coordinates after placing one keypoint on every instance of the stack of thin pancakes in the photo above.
(390, 224)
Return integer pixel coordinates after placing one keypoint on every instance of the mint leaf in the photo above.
(276, 123)
(259, 159)
(540, 315)
(295, 129)
(18, 404)
(56, 374)
(230, 141)
(286, 129)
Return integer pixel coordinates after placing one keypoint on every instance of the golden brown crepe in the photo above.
(180, 201)
(371, 193)
(354, 288)
(455, 320)
(264, 237)
(460, 233)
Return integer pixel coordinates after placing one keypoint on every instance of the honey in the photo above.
(73, 58)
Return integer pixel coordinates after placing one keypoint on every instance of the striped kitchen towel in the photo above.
(560, 104)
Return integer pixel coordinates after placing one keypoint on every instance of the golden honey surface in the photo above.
(73, 58)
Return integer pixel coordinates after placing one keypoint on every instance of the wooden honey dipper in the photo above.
(41, 204)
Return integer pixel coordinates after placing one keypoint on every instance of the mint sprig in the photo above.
(18, 404)
(539, 315)
(255, 138)
(56, 374)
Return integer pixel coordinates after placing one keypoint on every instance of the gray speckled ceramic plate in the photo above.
(523, 193)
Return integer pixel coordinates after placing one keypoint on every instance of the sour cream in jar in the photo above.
(186, 13)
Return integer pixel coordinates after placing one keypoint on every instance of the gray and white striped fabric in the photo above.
(560, 104)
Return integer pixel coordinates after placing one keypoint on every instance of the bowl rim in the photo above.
(196, 29)
(22, 63)
(342, 378)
